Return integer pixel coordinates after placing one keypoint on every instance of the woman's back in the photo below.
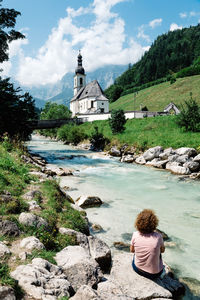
(147, 251)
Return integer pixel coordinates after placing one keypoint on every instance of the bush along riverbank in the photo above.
(46, 249)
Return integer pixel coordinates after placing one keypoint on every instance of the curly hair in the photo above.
(146, 221)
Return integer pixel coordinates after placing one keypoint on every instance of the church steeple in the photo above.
(79, 77)
(80, 69)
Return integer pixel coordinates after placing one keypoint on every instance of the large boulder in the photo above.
(140, 160)
(115, 152)
(43, 280)
(192, 165)
(95, 247)
(128, 158)
(58, 171)
(182, 159)
(139, 287)
(152, 153)
(4, 249)
(175, 168)
(157, 163)
(197, 158)
(88, 201)
(186, 151)
(30, 219)
(100, 251)
(31, 243)
(9, 228)
(7, 293)
(166, 153)
(78, 266)
(87, 293)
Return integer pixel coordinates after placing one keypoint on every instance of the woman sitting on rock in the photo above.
(147, 244)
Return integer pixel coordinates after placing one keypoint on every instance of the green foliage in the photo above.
(7, 21)
(117, 121)
(171, 51)
(14, 174)
(113, 92)
(48, 255)
(17, 111)
(71, 134)
(53, 111)
(97, 140)
(194, 69)
(5, 278)
(52, 192)
(189, 118)
(148, 132)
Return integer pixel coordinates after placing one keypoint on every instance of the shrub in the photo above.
(117, 121)
(71, 134)
(97, 140)
(189, 118)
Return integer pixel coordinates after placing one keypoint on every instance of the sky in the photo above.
(106, 31)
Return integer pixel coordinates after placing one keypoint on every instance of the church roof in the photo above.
(92, 89)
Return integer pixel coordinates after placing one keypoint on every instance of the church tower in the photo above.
(79, 77)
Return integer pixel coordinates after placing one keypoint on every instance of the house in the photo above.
(171, 108)
(88, 98)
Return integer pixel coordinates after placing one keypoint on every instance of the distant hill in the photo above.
(170, 53)
(157, 97)
(62, 91)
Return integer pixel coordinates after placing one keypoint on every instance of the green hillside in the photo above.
(159, 96)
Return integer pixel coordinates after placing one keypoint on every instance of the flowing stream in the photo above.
(125, 190)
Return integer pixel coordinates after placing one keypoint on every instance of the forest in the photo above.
(170, 53)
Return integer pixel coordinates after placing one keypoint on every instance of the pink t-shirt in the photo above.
(147, 251)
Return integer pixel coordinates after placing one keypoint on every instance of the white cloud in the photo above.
(14, 50)
(102, 42)
(155, 23)
(183, 15)
(174, 26)
(142, 35)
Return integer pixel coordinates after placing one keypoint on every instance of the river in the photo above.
(125, 190)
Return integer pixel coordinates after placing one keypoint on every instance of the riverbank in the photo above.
(48, 206)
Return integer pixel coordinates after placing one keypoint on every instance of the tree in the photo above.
(117, 121)
(114, 92)
(189, 117)
(55, 111)
(16, 109)
(7, 20)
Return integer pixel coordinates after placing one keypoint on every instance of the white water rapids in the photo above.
(125, 190)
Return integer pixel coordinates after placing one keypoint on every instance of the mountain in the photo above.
(169, 53)
(62, 91)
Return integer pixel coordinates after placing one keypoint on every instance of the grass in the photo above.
(148, 132)
(157, 97)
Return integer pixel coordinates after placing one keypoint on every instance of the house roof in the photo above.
(92, 89)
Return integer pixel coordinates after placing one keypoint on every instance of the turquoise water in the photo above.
(125, 190)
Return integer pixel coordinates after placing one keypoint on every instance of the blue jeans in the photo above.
(145, 274)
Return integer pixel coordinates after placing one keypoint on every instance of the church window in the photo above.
(92, 104)
(102, 103)
(81, 81)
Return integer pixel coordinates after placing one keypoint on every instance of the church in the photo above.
(88, 98)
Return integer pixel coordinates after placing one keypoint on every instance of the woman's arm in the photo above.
(132, 249)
